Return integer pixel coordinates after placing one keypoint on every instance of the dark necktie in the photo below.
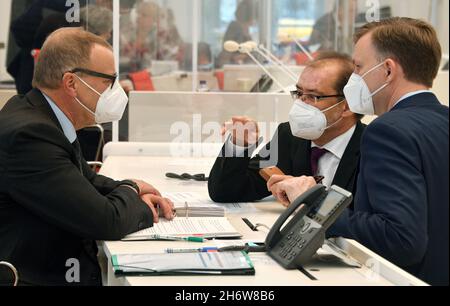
(316, 154)
(77, 148)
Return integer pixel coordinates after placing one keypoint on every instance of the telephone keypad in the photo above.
(305, 232)
(294, 243)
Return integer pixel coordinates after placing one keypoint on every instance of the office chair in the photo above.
(13, 269)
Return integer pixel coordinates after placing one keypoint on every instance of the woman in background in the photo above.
(239, 31)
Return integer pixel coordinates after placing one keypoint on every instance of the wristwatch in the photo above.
(131, 184)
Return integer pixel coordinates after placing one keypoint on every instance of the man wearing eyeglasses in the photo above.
(401, 209)
(52, 205)
(321, 139)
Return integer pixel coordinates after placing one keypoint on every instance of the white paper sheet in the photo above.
(207, 227)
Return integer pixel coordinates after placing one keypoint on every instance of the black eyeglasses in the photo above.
(298, 94)
(111, 77)
(187, 176)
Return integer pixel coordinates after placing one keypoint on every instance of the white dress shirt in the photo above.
(329, 162)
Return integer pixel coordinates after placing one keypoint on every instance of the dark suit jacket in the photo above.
(238, 180)
(49, 211)
(401, 206)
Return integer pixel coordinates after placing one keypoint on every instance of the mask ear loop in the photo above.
(85, 107)
(382, 87)
(331, 107)
(339, 120)
(89, 86)
(79, 102)
(379, 89)
(376, 67)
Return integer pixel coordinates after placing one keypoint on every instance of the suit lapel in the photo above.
(345, 173)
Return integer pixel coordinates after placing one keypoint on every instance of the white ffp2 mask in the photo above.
(111, 104)
(309, 122)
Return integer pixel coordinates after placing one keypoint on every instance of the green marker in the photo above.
(176, 238)
(195, 239)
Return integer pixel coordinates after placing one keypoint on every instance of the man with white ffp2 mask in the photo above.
(321, 139)
(401, 207)
(358, 93)
(51, 202)
(308, 121)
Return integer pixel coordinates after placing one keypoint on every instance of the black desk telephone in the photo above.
(317, 209)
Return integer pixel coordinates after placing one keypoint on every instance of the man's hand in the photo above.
(156, 204)
(152, 197)
(244, 130)
(276, 191)
(288, 190)
(146, 188)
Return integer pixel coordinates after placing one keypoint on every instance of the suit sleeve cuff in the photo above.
(341, 227)
(232, 150)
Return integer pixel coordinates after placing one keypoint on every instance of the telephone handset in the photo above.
(316, 210)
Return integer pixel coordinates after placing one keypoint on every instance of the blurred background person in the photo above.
(139, 43)
(42, 18)
(326, 28)
(106, 3)
(24, 30)
(97, 20)
(205, 59)
(169, 39)
(127, 31)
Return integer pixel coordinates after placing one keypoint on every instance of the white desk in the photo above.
(378, 271)
(5, 95)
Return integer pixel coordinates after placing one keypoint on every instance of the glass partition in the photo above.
(178, 45)
(158, 34)
(155, 36)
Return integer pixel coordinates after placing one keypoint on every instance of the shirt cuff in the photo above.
(232, 150)
(130, 183)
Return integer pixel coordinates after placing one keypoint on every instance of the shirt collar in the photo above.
(339, 144)
(409, 95)
(66, 124)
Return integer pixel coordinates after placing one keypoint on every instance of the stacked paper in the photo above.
(189, 204)
(192, 226)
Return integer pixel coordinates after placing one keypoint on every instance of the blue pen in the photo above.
(196, 250)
